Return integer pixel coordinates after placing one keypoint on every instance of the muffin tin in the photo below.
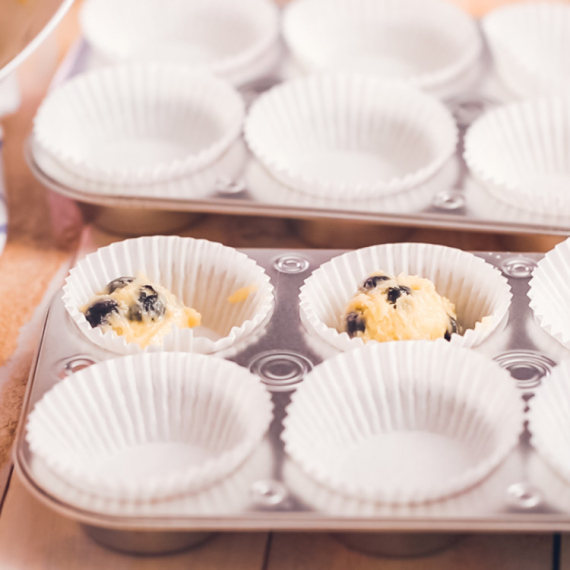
(269, 491)
(238, 184)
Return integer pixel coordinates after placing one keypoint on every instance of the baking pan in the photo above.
(238, 184)
(269, 492)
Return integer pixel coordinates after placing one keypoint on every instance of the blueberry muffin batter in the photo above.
(138, 310)
(406, 307)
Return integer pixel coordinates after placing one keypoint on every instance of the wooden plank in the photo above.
(504, 552)
(32, 537)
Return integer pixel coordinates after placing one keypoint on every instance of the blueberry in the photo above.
(355, 323)
(394, 293)
(150, 302)
(119, 283)
(98, 313)
(453, 328)
(372, 282)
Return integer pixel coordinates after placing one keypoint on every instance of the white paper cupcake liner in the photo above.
(548, 292)
(150, 426)
(403, 422)
(521, 154)
(480, 293)
(349, 136)
(139, 123)
(228, 37)
(530, 43)
(427, 42)
(202, 274)
(479, 500)
(267, 190)
(194, 186)
(232, 494)
(548, 419)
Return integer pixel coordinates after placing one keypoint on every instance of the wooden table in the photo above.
(43, 233)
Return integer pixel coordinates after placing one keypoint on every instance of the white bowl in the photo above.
(139, 123)
(349, 136)
(403, 423)
(427, 42)
(150, 426)
(229, 37)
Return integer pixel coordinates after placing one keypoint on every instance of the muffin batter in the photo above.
(141, 311)
(406, 307)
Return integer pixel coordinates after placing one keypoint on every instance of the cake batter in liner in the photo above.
(480, 293)
(202, 274)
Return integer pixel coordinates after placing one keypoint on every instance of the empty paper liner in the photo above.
(427, 42)
(530, 43)
(366, 423)
(150, 426)
(227, 37)
(202, 274)
(549, 291)
(520, 152)
(139, 123)
(548, 422)
(350, 136)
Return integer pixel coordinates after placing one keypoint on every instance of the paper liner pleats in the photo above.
(403, 423)
(150, 426)
(202, 274)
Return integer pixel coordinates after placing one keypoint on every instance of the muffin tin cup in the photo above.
(350, 136)
(521, 154)
(365, 423)
(139, 123)
(380, 37)
(481, 295)
(150, 426)
(200, 273)
(549, 290)
(530, 43)
(201, 32)
(548, 419)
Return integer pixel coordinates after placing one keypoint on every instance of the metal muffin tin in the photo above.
(451, 199)
(269, 492)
